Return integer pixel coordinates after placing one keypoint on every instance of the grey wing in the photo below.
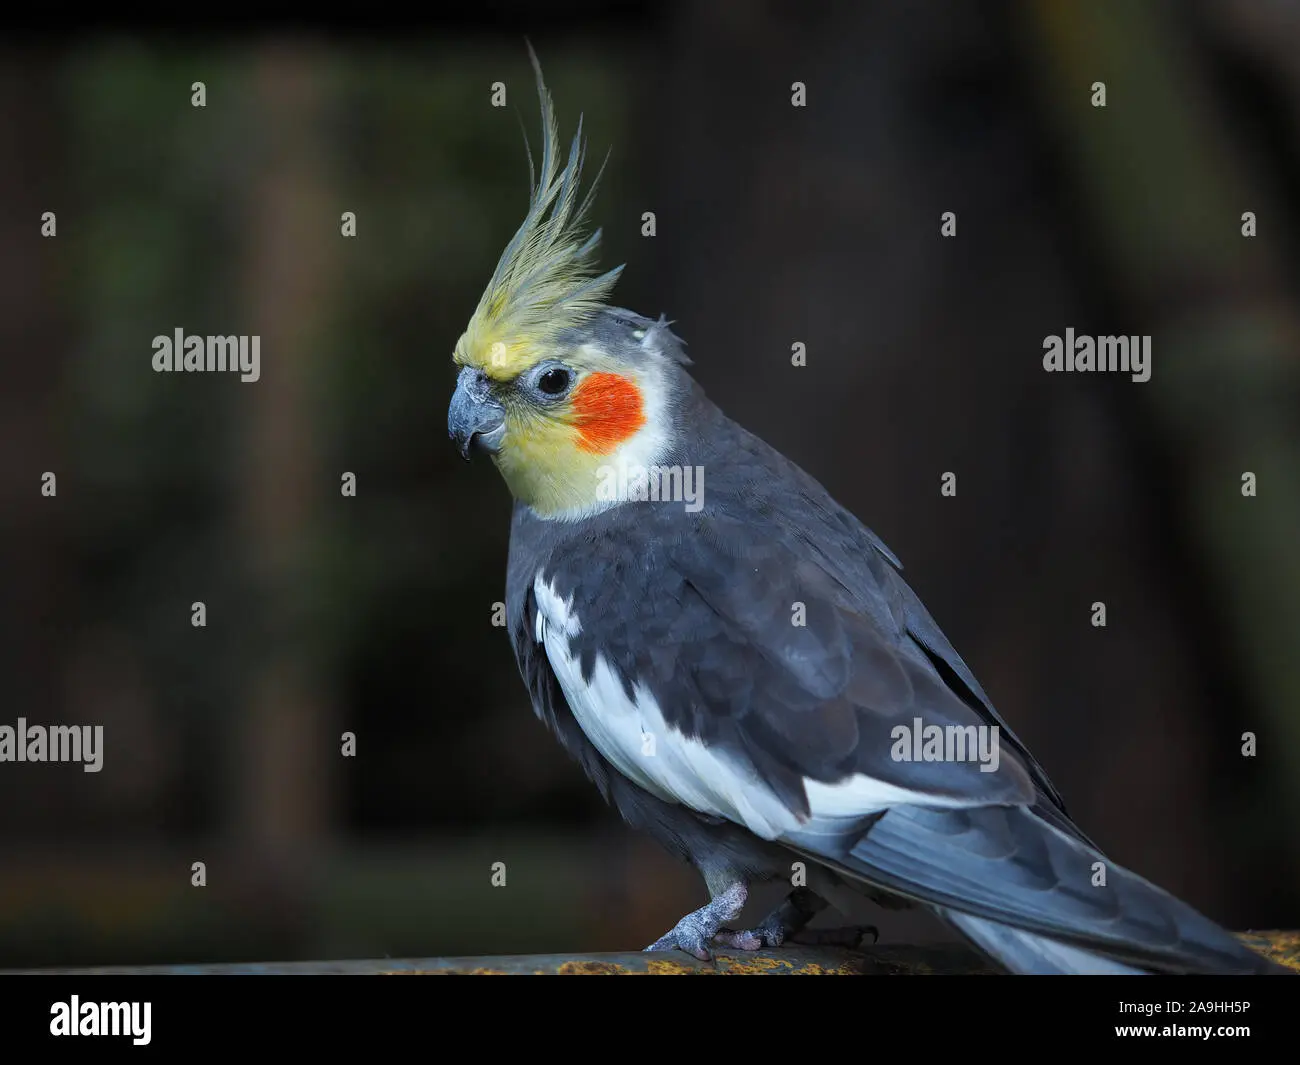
(804, 677)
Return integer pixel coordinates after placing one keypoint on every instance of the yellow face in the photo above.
(566, 417)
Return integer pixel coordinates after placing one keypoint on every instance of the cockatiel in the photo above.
(730, 655)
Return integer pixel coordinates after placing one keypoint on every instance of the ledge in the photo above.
(1282, 947)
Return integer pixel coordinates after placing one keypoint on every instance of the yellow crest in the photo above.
(546, 279)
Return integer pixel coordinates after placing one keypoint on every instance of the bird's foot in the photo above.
(771, 933)
(691, 934)
(786, 924)
(799, 907)
(694, 932)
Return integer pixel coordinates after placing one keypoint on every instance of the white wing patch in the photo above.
(554, 612)
(858, 795)
(634, 737)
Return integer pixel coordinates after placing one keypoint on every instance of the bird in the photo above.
(736, 662)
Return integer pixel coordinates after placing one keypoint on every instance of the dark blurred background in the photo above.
(373, 615)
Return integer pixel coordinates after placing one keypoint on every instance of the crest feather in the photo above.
(546, 280)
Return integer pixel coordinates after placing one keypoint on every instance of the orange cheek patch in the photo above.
(607, 410)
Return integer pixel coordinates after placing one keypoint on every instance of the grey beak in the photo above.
(475, 419)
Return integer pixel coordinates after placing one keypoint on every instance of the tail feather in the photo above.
(1037, 898)
(1029, 954)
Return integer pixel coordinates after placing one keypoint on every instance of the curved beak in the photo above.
(475, 419)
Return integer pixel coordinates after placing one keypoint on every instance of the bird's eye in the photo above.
(554, 381)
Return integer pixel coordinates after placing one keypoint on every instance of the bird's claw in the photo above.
(771, 933)
(690, 934)
(752, 939)
(694, 931)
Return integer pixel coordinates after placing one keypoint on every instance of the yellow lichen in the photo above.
(591, 968)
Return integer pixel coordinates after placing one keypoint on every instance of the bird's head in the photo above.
(556, 385)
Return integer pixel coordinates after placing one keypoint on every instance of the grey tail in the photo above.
(1025, 953)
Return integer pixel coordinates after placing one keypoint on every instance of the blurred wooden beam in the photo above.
(1283, 947)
